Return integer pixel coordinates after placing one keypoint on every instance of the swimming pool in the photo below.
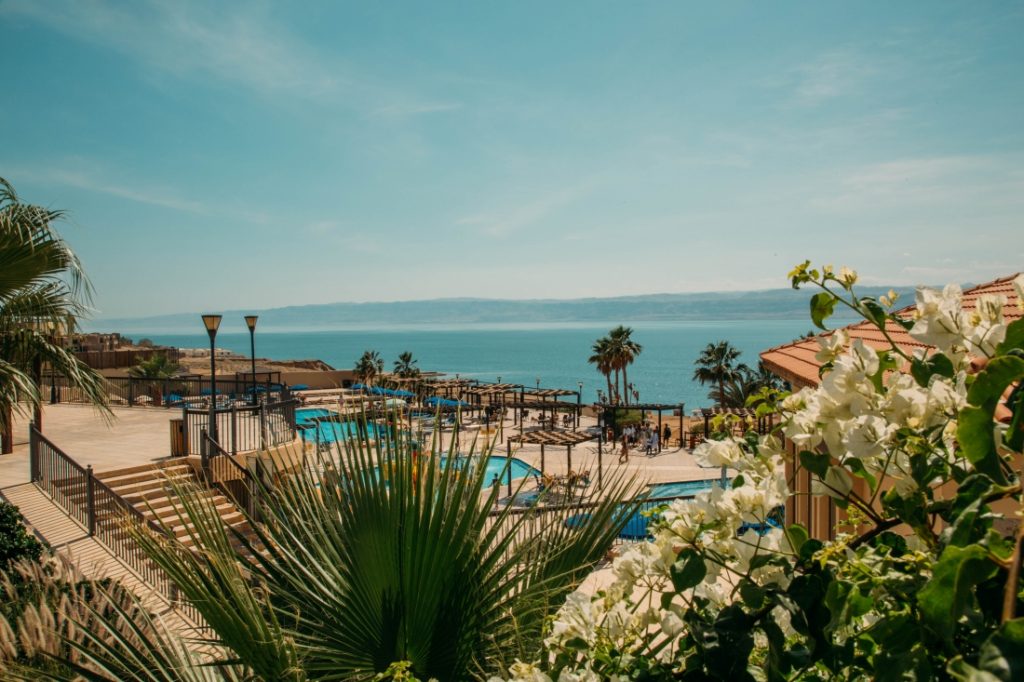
(681, 488)
(307, 415)
(496, 466)
(330, 432)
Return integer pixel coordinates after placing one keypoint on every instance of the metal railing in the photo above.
(173, 392)
(240, 428)
(106, 515)
(230, 477)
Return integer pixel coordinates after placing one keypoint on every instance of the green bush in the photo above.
(15, 541)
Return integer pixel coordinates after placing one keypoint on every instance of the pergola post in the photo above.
(660, 444)
(681, 433)
(568, 457)
(508, 463)
(600, 457)
(543, 469)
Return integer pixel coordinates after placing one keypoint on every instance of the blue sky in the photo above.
(214, 155)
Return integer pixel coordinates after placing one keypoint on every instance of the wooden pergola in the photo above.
(644, 408)
(566, 439)
(537, 398)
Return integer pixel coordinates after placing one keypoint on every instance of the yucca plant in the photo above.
(373, 555)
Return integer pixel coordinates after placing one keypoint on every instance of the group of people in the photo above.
(646, 436)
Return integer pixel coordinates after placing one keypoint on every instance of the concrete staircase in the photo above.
(148, 488)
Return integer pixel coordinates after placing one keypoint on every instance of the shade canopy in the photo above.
(562, 438)
(436, 401)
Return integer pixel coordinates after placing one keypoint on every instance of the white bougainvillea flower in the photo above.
(938, 317)
(984, 327)
(831, 346)
(719, 453)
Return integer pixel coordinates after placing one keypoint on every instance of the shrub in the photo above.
(16, 543)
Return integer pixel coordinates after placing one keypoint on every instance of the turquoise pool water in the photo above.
(681, 488)
(308, 414)
(496, 465)
(330, 432)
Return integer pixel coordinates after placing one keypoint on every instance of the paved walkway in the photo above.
(134, 436)
(94, 560)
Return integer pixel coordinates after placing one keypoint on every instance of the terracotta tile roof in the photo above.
(795, 363)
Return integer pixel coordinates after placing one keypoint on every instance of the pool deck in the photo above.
(142, 434)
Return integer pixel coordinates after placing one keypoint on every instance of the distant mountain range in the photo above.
(765, 304)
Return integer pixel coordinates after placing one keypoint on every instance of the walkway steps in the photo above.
(150, 490)
(93, 558)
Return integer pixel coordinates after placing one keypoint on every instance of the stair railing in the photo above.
(228, 476)
(105, 514)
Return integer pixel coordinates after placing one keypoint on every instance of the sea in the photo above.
(553, 355)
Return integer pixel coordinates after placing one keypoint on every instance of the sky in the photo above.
(246, 156)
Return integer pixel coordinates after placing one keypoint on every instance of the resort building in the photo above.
(795, 363)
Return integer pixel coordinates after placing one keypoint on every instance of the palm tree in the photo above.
(715, 365)
(370, 558)
(157, 366)
(601, 357)
(624, 351)
(369, 366)
(43, 289)
(735, 392)
(405, 366)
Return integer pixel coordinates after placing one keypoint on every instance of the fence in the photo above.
(234, 480)
(240, 428)
(109, 359)
(104, 513)
(175, 392)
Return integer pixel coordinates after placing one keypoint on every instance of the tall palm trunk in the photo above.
(618, 396)
(625, 383)
(608, 378)
(7, 437)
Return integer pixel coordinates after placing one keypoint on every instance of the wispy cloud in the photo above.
(501, 223)
(344, 235)
(834, 74)
(244, 47)
(980, 180)
(95, 177)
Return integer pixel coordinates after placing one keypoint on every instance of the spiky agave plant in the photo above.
(373, 554)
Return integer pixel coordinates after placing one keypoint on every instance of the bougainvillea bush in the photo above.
(922, 452)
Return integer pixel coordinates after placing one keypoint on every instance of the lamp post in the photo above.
(212, 323)
(579, 402)
(250, 322)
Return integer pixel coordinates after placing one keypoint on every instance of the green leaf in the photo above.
(815, 462)
(1002, 654)
(797, 536)
(946, 596)
(923, 369)
(822, 305)
(974, 431)
(752, 595)
(873, 311)
(1014, 337)
(688, 570)
(857, 469)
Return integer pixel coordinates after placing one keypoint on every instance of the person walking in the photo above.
(666, 436)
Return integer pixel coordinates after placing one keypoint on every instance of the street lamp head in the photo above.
(212, 323)
(250, 322)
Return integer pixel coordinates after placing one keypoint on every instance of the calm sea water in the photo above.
(522, 354)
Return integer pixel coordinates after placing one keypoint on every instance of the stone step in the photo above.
(151, 474)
